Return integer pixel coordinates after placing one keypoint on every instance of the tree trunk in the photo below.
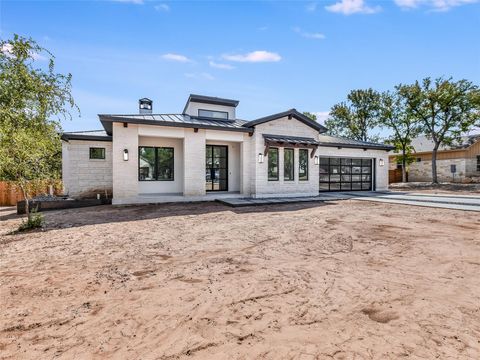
(27, 203)
(434, 166)
(404, 166)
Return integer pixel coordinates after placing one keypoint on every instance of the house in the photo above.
(462, 156)
(206, 152)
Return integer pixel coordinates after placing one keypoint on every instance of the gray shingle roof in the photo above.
(99, 135)
(175, 120)
(423, 144)
(334, 141)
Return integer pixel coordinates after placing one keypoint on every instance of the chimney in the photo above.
(145, 106)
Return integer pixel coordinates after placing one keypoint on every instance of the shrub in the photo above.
(33, 222)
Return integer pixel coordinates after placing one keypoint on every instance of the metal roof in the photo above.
(203, 99)
(290, 113)
(334, 141)
(290, 139)
(174, 120)
(423, 144)
(98, 135)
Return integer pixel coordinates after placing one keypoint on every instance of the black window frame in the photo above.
(478, 162)
(346, 174)
(300, 151)
(212, 111)
(285, 150)
(156, 163)
(96, 148)
(268, 165)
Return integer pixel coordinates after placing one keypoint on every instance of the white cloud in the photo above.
(136, 2)
(349, 7)
(435, 5)
(176, 57)
(254, 57)
(311, 7)
(162, 7)
(200, 76)
(322, 116)
(220, 65)
(309, 35)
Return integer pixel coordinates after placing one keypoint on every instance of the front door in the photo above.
(216, 168)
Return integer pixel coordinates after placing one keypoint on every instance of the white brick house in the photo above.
(206, 152)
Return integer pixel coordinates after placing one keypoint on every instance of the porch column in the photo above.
(125, 172)
(194, 145)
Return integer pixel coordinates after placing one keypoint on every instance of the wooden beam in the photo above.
(314, 150)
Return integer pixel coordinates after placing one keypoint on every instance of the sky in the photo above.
(270, 55)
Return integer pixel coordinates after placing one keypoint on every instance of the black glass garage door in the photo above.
(345, 174)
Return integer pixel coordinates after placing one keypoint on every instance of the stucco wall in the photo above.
(164, 187)
(263, 187)
(82, 176)
(381, 172)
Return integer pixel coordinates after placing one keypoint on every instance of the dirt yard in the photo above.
(344, 280)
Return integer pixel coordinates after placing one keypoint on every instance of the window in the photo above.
(155, 163)
(303, 164)
(97, 153)
(288, 165)
(272, 164)
(478, 162)
(223, 115)
(419, 159)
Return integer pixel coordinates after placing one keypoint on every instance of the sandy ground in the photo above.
(344, 280)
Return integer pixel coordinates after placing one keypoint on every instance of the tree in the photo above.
(310, 115)
(33, 100)
(445, 108)
(357, 117)
(393, 114)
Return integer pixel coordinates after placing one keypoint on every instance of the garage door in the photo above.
(345, 174)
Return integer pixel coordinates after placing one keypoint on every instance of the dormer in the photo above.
(210, 107)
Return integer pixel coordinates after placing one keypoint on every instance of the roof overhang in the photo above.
(210, 100)
(72, 136)
(289, 141)
(358, 146)
(108, 120)
(292, 113)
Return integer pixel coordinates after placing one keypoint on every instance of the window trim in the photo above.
(268, 165)
(293, 164)
(209, 117)
(96, 148)
(155, 168)
(308, 172)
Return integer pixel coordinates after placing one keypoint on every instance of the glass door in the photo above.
(216, 172)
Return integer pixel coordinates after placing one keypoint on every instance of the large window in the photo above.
(223, 115)
(155, 163)
(303, 164)
(273, 164)
(288, 165)
(97, 153)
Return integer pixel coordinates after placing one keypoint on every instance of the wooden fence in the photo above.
(10, 194)
(395, 176)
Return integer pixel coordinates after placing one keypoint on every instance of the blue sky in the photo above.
(270, 55)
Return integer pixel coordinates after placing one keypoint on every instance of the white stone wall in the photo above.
(164, 187)
(194, 163)
(422, 170)
(262, 186)
(82, 176)
(471, 167)
(381, 172)
(125, 173)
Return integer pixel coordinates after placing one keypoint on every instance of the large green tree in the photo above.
(357, 117)
(403, 125)
(33, 101)
(445, 109)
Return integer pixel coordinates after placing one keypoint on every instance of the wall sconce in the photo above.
(260, 158)
(317, 160)
(125, 154)
(381, 162)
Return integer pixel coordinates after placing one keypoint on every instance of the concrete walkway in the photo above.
(445, 201)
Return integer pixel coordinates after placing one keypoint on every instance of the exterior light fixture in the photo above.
(381, 162)
(125, 154)
(260, 158)
(317, 160)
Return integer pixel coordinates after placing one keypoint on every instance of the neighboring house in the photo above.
(206, 152)
(463, 155)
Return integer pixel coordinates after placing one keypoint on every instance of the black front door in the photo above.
(216, 172)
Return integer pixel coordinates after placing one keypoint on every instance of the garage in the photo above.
(346, 174)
